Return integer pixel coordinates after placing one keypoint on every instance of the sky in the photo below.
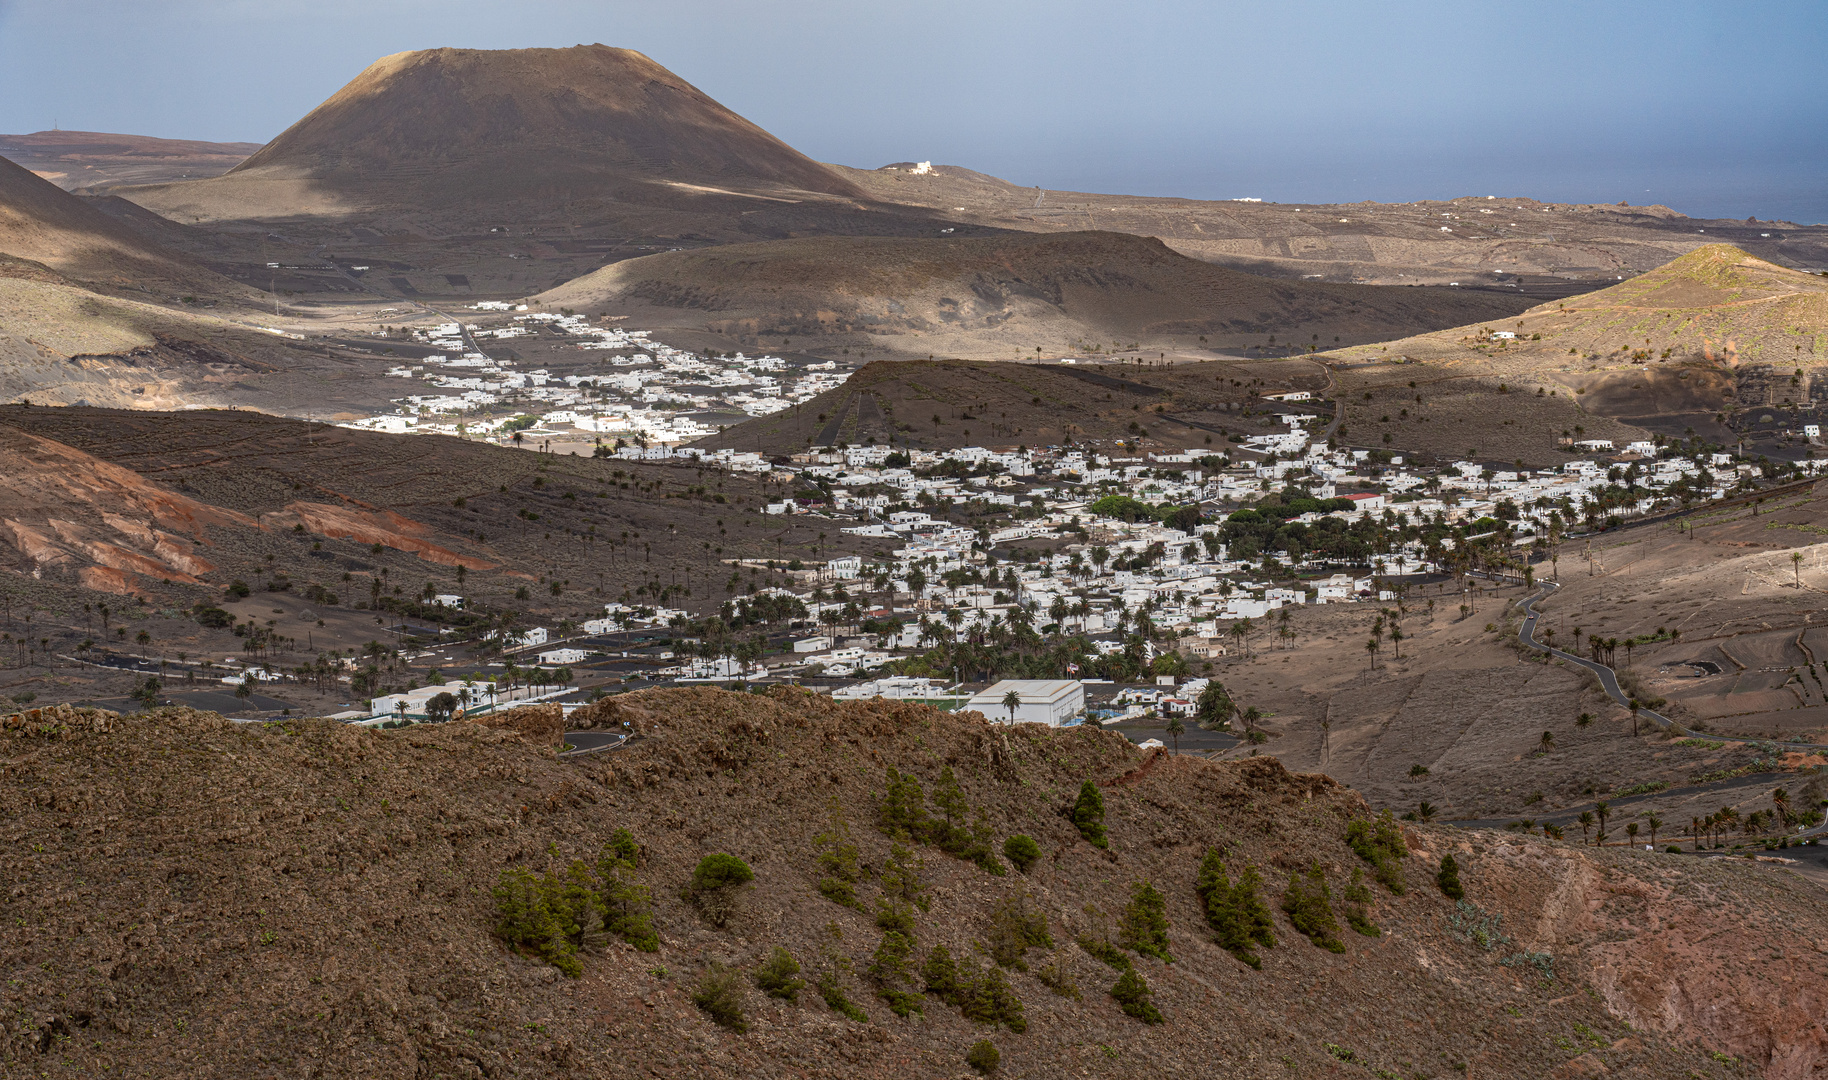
(1716, 109)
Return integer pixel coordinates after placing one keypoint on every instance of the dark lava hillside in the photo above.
(943, 403)
(1000, 297)
(193, 897)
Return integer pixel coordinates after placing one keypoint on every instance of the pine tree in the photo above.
(1088, 815)
(1133, 996)
(1238, 916)
(1449, 879)
(1309, 905)
(1144, 925)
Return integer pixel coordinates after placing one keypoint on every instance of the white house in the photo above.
(1812, 431)
(563, 656)
(447, 600)
(812, 645)
(1044, 701)
(535, 636)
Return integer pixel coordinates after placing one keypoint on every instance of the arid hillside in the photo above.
(229, 900)
(1715, 343)
(1544, 250)
(1005, 296)
(41, 223)
(940, 403)
(504, 134)
(74, 160)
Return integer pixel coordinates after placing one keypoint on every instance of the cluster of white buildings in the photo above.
(636, 389)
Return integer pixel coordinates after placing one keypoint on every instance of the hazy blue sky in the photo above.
(1713, 108)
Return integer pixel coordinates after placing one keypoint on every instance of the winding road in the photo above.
(1609, 681)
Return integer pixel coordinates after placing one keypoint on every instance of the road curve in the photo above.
(591, 742)
(1526, 633)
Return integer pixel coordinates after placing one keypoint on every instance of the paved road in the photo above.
(590, 742)
(1609, 681)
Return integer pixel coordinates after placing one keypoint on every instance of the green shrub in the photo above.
(890, 967)
(1015, 927)
(1088, 815)
(983, 1057)
(1358, 899)
(720, 871)
(1237, 915)
(1309, 906)
(779, 976)
(622, 846)
(1144, 925)
(1449, 878)
(902, 814)
(991, 1000)
(626, 905)
(839, 892)
(715, 884)
(553, 917)
(720, 995)
(1021, 851)
(838, 857)
(940, 973)
(902, 878)
(984, 996)
(1103, 951)
(213, 617)
(1380, 843)
(1133, 996)
(539, 914)
(1057, 978)
(893, 914)
(833, 992)
(892, 961)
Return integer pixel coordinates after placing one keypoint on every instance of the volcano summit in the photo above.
(535, 129)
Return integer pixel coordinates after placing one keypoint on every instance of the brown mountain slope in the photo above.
(940, 403)
(1002, 296)
(42, 223)
(84, 159)
(501, 132)
(1550, 250)
(1706, 342)
(199, 897)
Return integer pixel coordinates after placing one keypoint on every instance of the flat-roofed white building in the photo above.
(1043, 701)
(564, 656)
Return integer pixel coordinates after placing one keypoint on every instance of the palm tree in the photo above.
(1371, 647)
(1548, 741)
(1012, 701)
(1653, 822)
(1796, 565)
(1631, 830)
(1586, 824)
(1602, 808)
(1634, 706)
(1175, 727)
(1425, 810)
